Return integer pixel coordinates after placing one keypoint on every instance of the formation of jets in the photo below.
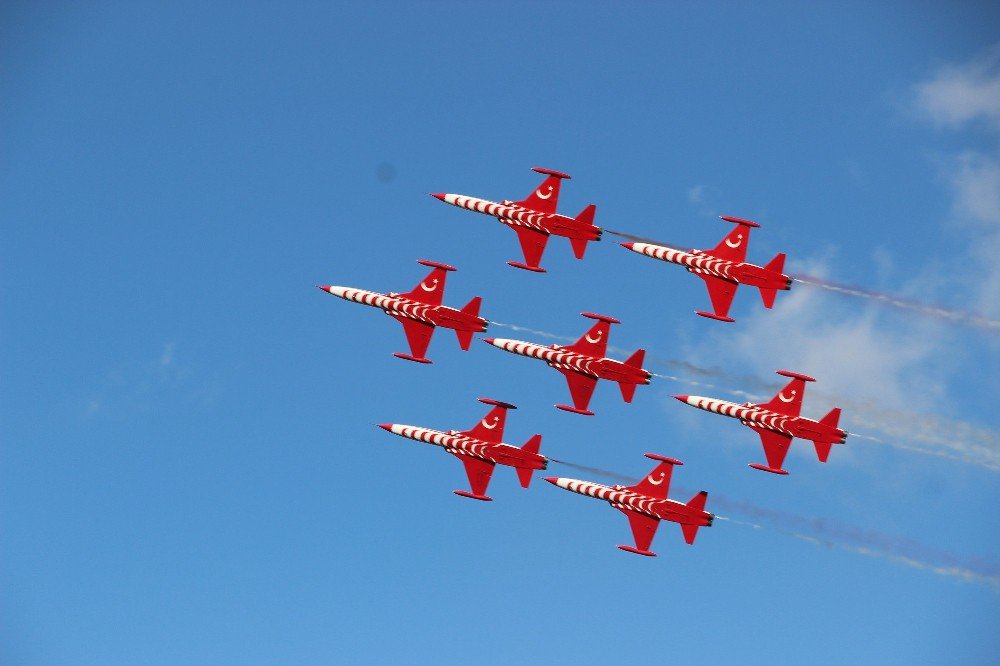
(583, 363)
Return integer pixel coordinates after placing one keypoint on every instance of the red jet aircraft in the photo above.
(420, 310)
(778, 421)
(724, 268)
(535, 219)
(646, 504)
(583, 363)
(481, 448)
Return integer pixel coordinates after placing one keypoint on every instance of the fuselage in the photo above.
(454, 442)
(754, 415)
(562, 359)
(622, 498)
(518, 216)
(393, 304)
(699, 262)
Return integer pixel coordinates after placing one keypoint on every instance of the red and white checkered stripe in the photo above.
(753, 415)
(391, 304)
(623, 499)
(697, 261)
(557, 358)
(524, 216)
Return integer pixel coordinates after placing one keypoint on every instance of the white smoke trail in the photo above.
(950, 439)
(832, 534)
(927, 309)
(963, 573)
(949, 314)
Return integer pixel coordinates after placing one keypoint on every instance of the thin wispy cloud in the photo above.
(966, 96)
(956, 94)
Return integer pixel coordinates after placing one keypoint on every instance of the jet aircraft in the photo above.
(481, 448)
(420, 311)
(645, 504)
(583, 363)
(535, 219)
(724, 268)
(778, 421)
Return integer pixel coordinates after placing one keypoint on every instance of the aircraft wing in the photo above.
(490, 429)
(775, 446)
(581, 387)
(721, 292)
(789, 399)
(656, 484)
(545, 199)
(532, 244)
(431, 289)
(418, 335)
(734, 246)
(595, 341)
(643, 528)
(479, 472)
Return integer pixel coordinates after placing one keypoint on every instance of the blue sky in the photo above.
(190, 472)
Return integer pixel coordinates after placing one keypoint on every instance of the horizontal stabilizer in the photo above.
(465, 337)
(822, 450)
(823, 447)
(767, 296)
(531, 446)
(586, 217)
(628, 391)
(579, 247)
(690, 532)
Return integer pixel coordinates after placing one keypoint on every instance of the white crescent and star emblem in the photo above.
(739, 240)
(594, 341)
(782, 398)
(434, 286)
(490, 426)
(538, 193)
(658, 481)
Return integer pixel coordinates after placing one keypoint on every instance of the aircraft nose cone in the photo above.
(552, 479)
(627, 246)
(325, 288)
(489, 341)
(439, 196)
(385, 426)
(682, 398)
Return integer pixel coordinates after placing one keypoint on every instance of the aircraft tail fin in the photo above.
(823, 447)
(697, 503)
(627, 388)
(471, 308)
(531, 446)
(636, 359)
(776, 265)
(586, 216)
